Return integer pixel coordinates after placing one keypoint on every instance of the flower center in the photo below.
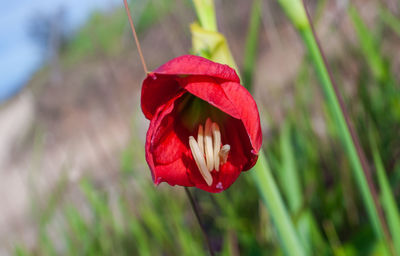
(207, 151)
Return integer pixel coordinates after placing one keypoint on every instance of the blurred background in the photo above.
(73, 179)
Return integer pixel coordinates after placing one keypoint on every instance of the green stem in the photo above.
(387, 197)
(344, 132)
(272, 198)
(197, 214)
(336, 106)
(206, 14)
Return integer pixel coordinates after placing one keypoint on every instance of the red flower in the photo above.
(179, 98)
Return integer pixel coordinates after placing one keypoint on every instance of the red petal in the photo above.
(195, 65)
(156, 91)
(174, 173)
(164, 150)
(231, 98)
(247, 109)
(207, 89)
(161, 85)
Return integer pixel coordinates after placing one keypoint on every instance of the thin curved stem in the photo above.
(346, 131)
(128, 12)
(196, 212)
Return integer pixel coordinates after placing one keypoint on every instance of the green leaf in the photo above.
(270, 194)
(211, 45)
(388, 200)
(206, 14)
(337, 112)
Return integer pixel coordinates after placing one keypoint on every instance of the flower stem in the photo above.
(335, 103)
(195, 208)
(206, 13)
(272, 198)
(351, 141)
(128, 12)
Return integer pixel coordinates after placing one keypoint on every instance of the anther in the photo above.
(200, 139)
(207, 151)
(200, 161)
(217, 144)
(224, 152)
(208, 145)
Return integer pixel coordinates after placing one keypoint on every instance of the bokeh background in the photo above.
(73, 179)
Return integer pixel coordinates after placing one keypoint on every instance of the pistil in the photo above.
(200, 139)
(208, 145)
(217, 144)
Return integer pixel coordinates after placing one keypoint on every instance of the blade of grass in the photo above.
(333, 239)
(206, 14)
(381, 69)
(196, 212)
(78, 234)
(186, 238)
(291, 181)
(20, 251)
(250, 52)
(392, 21)
(290, 177)
(270, 194)
(368, 46)
(291, 185)
(380, 95)
(141, 238)
(297, 13)
(388, 201)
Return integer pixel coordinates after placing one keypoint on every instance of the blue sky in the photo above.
(19, 54)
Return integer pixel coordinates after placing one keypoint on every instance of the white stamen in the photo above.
(208, 145)
(200, 140)
(224, 152)
(207, 151)
(200, 161)
(217, 144)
